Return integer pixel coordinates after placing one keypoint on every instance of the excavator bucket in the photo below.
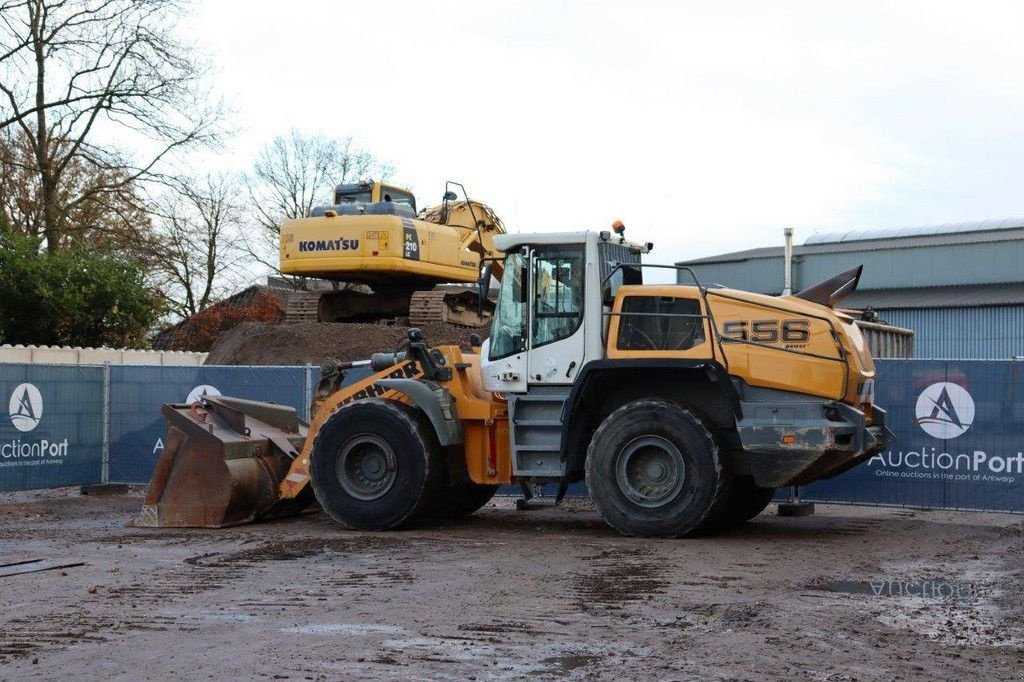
(222, 463)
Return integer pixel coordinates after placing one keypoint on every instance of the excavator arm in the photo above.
(477, 223)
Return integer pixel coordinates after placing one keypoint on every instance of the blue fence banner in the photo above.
(51, 433)
(137, 393)
(352, 376)
(959, 428)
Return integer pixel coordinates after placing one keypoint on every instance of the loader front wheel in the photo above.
(375, 465)
(654, 470)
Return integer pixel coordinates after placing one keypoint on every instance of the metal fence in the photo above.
(959, 427)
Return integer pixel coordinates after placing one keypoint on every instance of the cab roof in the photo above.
(508, 242)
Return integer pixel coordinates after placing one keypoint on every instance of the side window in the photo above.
(557, 294)
(508, 328)
(660, 323)
(399, 197)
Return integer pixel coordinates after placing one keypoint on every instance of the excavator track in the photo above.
(302, 307)
(426, 307)
(451, 305)
(350, 303)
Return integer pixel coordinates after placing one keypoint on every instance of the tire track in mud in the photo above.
(111, 609)
(620, 576)
(22, 637)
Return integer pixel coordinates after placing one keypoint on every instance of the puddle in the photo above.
(344, 629)
(937, 589)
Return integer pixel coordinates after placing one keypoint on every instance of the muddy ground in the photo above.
(506, 594)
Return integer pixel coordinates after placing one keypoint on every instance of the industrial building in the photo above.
(959, 287)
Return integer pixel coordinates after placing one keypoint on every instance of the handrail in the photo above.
(703, 295)
(720, 340)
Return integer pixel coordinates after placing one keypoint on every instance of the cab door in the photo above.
(503, 356)
(556, 344)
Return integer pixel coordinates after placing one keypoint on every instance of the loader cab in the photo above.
(549, 323)
(549, 319)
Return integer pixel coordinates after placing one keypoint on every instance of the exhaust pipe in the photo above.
(787, 288)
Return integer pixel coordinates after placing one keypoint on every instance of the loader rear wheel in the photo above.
(653, 469)
(463, 499)
(375, 465)
(746, 501)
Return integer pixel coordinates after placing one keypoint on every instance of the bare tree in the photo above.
(76, 72)
(294, 173)
(198, 242)
(115, 220)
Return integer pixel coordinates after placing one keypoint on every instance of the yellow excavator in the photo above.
(391, 260)
(683, 407)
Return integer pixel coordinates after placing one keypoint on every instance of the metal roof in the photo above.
(970, 295)
(917, 231)
(1009, 233)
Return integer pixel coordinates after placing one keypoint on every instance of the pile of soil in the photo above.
(256, 343)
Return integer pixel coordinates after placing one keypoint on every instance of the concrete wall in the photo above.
(67, 355)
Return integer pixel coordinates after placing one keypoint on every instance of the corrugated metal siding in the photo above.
(924, 266)
(762, 276)
(988, 333)
(991, 263)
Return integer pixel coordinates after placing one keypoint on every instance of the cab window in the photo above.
(398, 196)
(660, 323)
(557, 294)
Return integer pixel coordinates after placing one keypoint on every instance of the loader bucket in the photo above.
(222, 463)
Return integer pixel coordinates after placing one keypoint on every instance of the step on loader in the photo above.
(682, 406)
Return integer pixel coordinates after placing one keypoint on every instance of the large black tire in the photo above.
(375, 465)
(746, 500)
(462, 499)
(654, 470)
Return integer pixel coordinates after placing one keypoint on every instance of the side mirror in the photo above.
(484, 286)
(450, 196)
(474, 341)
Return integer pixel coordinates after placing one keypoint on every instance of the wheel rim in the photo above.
(650, 471)
(366, 467)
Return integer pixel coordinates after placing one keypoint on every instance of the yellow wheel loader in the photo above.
(683, 407)
(391, 258)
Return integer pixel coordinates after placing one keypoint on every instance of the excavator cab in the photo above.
(368, 192)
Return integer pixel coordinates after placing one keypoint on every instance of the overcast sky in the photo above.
(705, 126)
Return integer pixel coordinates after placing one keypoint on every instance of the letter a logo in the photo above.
(25, 407)
(945, 410)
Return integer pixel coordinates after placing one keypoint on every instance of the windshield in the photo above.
(508, 329)
(353, 198)
(398, 196)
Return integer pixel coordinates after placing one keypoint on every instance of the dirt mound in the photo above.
(256, 343)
